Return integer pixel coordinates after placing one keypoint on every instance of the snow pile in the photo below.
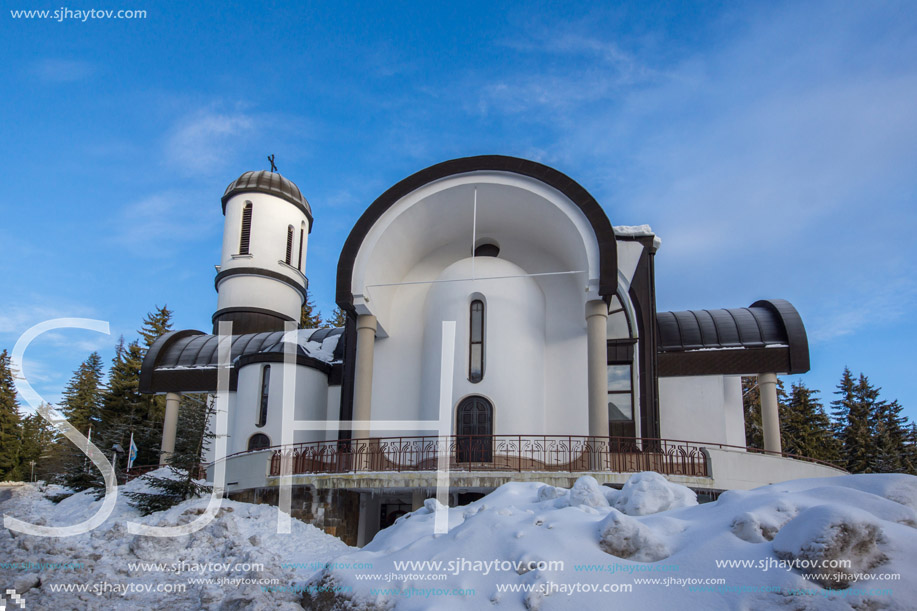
(237, 561)
(826, 534)
(537, 547)
(649, 492)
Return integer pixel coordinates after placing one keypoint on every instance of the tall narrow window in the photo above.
(246, 234)
(302, 237)
(476, 342)
(620, 401)
(265, 384)
(289, 257)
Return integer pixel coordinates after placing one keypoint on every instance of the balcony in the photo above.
(537, 453)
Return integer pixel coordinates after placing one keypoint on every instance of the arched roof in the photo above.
(770, 324)
(190, 357)
(601, 226)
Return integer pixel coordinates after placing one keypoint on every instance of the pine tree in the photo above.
(840, 407)
(751, 405)
(156, 324)
(82, 398)
(805, 428)
(890, 435)
(309, 318)
(192, 441)
(909, 456)
(10, 423)
(38, 445)
(338, 319)
(82, 406)
(125, 410)
(858, 402)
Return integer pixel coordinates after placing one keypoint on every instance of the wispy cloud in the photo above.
(161, 224)
(56, 71)
(207, 141)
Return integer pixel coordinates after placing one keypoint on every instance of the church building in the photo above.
(489, 293)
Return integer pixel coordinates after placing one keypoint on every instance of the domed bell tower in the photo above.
(261, 280)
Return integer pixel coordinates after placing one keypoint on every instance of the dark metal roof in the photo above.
(272, 184)
(192, 355)
(771, 323)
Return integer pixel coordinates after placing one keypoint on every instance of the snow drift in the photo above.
(648, 546)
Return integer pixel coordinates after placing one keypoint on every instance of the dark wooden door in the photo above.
(474, 430)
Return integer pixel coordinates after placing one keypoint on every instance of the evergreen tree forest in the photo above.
(106, 408)
(859, 431)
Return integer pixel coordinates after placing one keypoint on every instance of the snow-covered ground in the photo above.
(648, 546)
(248, 564)
(524, 546)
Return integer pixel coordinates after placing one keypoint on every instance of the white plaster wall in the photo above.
(702, 408)
(740, 470)
(267, 247)
(514, 343)
(260, 292)
(311, 403)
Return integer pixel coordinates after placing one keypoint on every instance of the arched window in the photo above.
(265, 385)
(476, 342)
(302, 237)
(246, 234)
(258, 441)
(289, 257)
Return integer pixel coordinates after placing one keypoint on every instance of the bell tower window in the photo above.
(289, 255)
(246, 233)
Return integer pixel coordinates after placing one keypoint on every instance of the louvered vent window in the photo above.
(246, 235)
(289, 256)
(302, 237)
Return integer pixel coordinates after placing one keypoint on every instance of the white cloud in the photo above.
(162, 223)
(206, 141)
(62, 70)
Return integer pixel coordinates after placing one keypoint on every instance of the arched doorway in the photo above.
(474, 428)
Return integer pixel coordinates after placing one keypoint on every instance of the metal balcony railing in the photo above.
(568, 453)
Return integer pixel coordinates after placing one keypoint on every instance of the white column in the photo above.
(363, 380)
(597, 366)
(770, 415)
(169, 426)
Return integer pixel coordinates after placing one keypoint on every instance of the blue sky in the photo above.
(772, 146)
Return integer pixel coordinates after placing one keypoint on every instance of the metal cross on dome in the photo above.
(271, 159)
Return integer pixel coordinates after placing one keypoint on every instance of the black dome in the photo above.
(272, 184)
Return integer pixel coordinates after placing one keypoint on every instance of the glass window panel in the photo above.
(620, 407)
(619, 378)
(477, 321)
(476, 371)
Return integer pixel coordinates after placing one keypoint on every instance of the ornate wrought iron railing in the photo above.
(569, 453)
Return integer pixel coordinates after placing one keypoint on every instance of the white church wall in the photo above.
(514, 343)
(311, 403)
(702, 408)
(271, 217)
(259, 292)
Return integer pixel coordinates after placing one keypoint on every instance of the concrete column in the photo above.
(169, 426)
(363, 380)
(597, 366)
(770, 415)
